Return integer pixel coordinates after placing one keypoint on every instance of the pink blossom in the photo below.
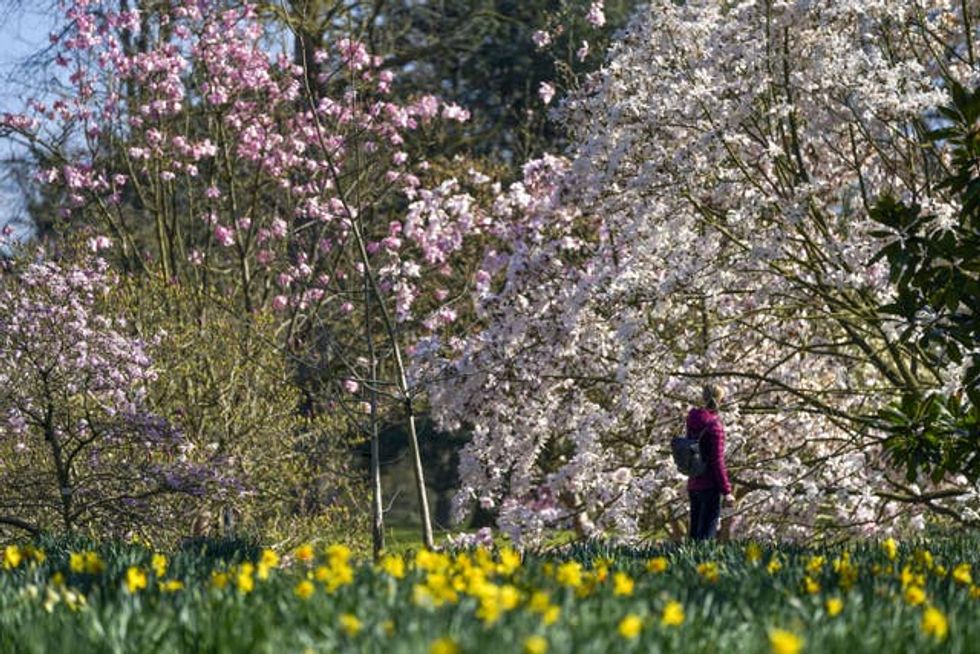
(427, 107)
(224, 235)
(596, 16)
(541, 38)
(546, 91)
(280, 302)
(354, 53)
(278, 228)
(98, 243)
(453, 111)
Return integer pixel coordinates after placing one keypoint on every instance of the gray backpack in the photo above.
(687, 454)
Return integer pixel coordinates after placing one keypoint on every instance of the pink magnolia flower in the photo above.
(596, 16)
(265, 257)
(278, 228)
(547, 92)
(224, 235)
(98, 243)
(453, 111)
(280, 302)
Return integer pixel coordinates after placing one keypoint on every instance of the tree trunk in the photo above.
(377, 510)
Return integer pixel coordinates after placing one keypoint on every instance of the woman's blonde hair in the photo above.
(713, 394)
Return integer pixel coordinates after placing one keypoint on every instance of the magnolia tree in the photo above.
(208, 158)
(712, 223)
(78, 447)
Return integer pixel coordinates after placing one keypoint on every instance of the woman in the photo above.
(706, 490)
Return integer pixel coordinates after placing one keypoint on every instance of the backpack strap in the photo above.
(701, 434)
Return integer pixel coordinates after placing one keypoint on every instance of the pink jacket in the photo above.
(712, 449)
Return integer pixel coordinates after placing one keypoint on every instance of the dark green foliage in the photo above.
(935, 267)
(480, 54)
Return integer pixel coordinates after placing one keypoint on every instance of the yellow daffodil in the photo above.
(815, 564)
(934, 623)
(350, 624)
(267, 562)
(244, 580)
(510, 562)
(444, 646)
(76, 562)
(539, 602)
(910, 578)
(510, 597)
(708, 570)
(304, 589)
(622, 585)
(87, 562)
(753, 553)
(569, 574)
(834, 606)
(304, 553)
(159, 565)
(923, 558)
(35, 554)
(93, 564)
(847, 572)
(914, 595)
(431, 561)
(219, 580)
(961, 574)
(11, 557)
(269, 558)
(135, 579)
(535, 645)
(600, 568)
(657, 565)
(630, 626)
(891, 548)
(785, 642)
(393, 565)
(673, 615)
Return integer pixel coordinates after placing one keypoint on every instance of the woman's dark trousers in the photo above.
(705, 512)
